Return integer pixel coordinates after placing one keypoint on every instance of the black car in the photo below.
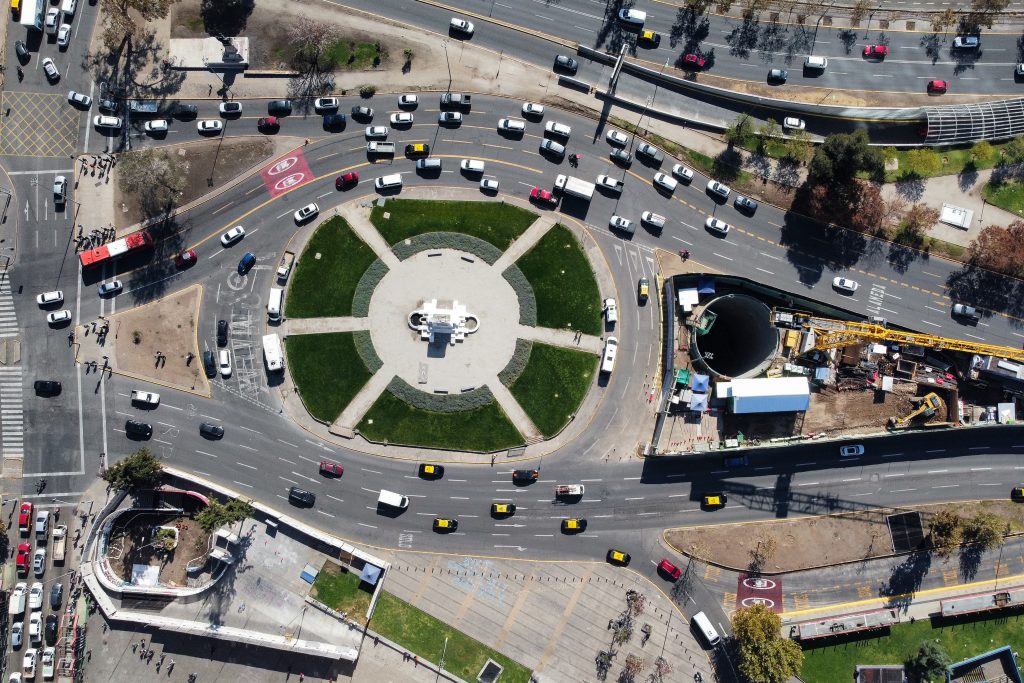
(47, 387)
(108, 106)
(222, 332)
(777, 75)
(51, 629)
(301, 496)
(361, 112)
(138, 430)
(56, 595)
(332, 121)
(185, 111)
(566, 63)
(525, 475)
(21, 50)
(211, 431)
(745, 204)
(279, 107)
(209, 364)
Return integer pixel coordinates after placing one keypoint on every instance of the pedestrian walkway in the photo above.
(345, 424)
(566, 338)
(359, 220)
(12, 419)
(8, 317)
(323, 325)
(525, 242)
(514, 411)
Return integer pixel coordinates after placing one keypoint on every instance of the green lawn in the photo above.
(553, 385)
(343, 591)
(563, 283)
(424, 635)
(323, 287)
(1009, 196)
(352, 56)
(836, 663)
(494, 222)
(327, 371)
(483, 429)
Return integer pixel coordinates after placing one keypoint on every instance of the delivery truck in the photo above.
(568, 490)
(284, 268)
(574, 187)
(60, 539)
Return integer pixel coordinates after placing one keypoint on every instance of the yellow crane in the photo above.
(832, 334)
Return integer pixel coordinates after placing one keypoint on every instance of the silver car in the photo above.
(78, 99)
(552, 147)
(718, 189)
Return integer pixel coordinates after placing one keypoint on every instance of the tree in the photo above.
(662, 669)
(985, 530)
(983, 12)
(140, 470)
(799, 148)
(216, 514)
(226, 17)
(769, 130)
(946, 531)
(753, 8)
(723, 6)
(923, 163)
(764, 656)
(930, 661)
(1014, 150)
(982, 151)
(740, 130)
(916, 221)
(842, 156)
(859, 11)
(313, 61)
(999, 249)
(631, 667)
(156, 176)
(762, 552)
(942, 21)
(120, 29)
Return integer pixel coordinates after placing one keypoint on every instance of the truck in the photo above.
(568, 490)
(16, 602)
(145, 397)
(32, 14)
(60, 538)
(392, 499)
(456, 99)
(575, 187)
(284, 268)
(136, 241)
(376, 147)
(272, 352)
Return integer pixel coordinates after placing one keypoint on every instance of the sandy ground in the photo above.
(134, 545)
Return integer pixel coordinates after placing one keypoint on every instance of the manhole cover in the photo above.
(490, 673)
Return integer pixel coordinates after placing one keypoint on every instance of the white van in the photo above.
(611, 345)
(703, 624)
(68, 7)
(816, 63)
(274, 304)
(392, 499)
(388, 182)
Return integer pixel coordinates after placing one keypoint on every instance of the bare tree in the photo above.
(763, 552)
(859, 11)
(157, 177)
(944, 20)
(311, 39)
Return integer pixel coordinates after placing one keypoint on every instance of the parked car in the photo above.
(334, 121)
(279, 107)
(50, 630)
(56, 297)
(156, 126)
(449, 118)
(621, 157)
(617, 137)
(532, 109)
(268, 123)
(684, 173)
(402, 118)
(649, 151)
(225, 362)
(35, 596)
(362, 112)
(410, 101)
(62, 316)
(230, 108)
(21, 51)
(553, 148)
(79, 100)
(966, 43)
(663, 181)
(39, 561)
(745, 204)
(488, 185)
(111, 122)
(209, 126)
(376, 132)
(47, 387)
(56, 595)
(326, 104)
(64, 36)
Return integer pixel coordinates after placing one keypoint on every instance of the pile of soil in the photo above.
(132, 545)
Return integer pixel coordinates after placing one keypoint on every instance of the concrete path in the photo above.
(525, 242)
(323, 325)
(346, 423)
(564, 338)
(359, 220)
(514, 411)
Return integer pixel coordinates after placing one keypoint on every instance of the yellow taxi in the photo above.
(643, 289)
(618, 557)
(428, 471)
(713, 501)
(650, 37)
(418, 149)
(443, 525)
(573, 526)
(16, 8)
(503, 509)
(1017, 493)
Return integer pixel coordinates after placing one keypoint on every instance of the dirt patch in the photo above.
(815, 541)
(167, 326)
(138, 543)
(212, 163)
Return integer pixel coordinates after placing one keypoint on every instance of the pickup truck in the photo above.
(145, 397)
(568, 490)
(60, 538)
(456, 99)
(285, 267)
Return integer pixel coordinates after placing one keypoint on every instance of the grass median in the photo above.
(327, 371)
(342, 591)
(494, 222)
(553, 384)
(425, 636)
(563, 283)
(328, 271)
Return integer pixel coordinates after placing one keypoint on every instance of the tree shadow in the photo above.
(910, 186)
(611, 35)
(743, 38)
(968, 177)
(848, 38)
(689, 29)
(900, 257)
(1000, 293)
(801, 40)
(727, 164)
(787, 172)
(932, 44)
(226, 18)
(1020, 48)
(965, 60)
(759, 164)
(970, 561)
(906, 579)
(772, 39)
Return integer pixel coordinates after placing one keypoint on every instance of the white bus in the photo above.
(274, 304)
(272, 352)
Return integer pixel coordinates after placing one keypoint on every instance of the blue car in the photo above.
(246, 264)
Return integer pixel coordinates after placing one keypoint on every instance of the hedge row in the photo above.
(364, 288)
(517, 363)
(455, 402)
(447, 240)
(364, 347)
(524, 292)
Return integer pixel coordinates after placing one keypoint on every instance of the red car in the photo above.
(268, 123)
(879, 51)
(331, 469)
(347, 180)
(693, 61)
(669, 569)
(25, 518)
(938, 86)
(186, 259)
(540, 195)
(22, 561)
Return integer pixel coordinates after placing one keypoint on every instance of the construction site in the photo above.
(746, 365)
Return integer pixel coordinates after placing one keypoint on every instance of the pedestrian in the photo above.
(416, 660)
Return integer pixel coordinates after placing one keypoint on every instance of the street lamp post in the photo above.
(440, 664)
(444, 44)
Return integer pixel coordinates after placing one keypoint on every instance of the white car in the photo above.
(112, 122)
(793, 123)
(402, 118)
(210, 126)
(617, 137)
(462, 26)
(611, 310)
(325, 103)
(716, 225)
(408, 101)
(52, 19)
(634, 17)
(533, 109)
(39, 557)
(225, 363)
(620, 223)
(29, 663)
(472, 165)
(559, 129)
(230, 108)
(157, 126)
(376, 132)
(35, 627)
(17, 637)
(306, 212)
(850, 451)
(684, 173)
(845, 285)
(609, 183)
(515, 126)
(47, 298)
(488, 185)
(233, 235)
(112, 287)
(51, 69)
(17, 599)
(717, 188)
(79, 99)
(61, 316)
(665, 182)
(449, 117)
(48, 657)
(64, 35)
(35, 596)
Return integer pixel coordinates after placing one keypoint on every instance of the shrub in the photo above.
(367, 91)
(447, 240)
(440, 403)
(364, 289)
(517, 363)
(524, 292)
(366, 351)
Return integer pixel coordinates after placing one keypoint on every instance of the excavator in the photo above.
(927, 406)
